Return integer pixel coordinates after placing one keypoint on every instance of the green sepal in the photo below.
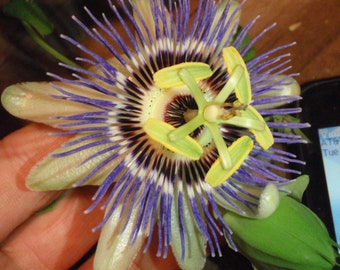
(292, 238)
(296, 188)
(30, 13)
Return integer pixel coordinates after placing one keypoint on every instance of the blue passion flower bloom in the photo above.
(175, 128)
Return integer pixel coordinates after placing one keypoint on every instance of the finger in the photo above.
(56, 239)
(18, 153)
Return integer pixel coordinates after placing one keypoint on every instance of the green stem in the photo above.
(47, 47)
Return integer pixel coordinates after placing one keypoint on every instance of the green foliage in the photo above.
(30, 13)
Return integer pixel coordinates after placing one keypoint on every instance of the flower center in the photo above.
(177, 136)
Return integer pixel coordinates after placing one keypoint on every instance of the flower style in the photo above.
(175, 128)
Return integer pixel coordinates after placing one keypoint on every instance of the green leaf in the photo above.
(30, 13)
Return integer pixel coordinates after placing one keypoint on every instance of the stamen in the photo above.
(233, 60)
(264, 136)
(211, 114)
(186, 146)
(238, 152)
(170, 76)
(245, 122)
(243, 93)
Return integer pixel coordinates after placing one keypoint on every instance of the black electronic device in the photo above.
(321, 108)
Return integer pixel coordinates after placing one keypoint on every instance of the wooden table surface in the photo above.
(313, 24)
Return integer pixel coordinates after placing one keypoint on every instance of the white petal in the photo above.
(194, 242)
(290, 88)
(54, 173)
(235, 20)
(144, 7)
(33, 101)
(114, 249)
(269, 201)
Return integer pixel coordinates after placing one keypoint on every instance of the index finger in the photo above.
(19, 151)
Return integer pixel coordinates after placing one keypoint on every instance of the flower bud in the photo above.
(293, 237)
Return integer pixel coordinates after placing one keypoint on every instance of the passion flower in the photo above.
(171, 128)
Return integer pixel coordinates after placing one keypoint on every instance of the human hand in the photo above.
(60, 237)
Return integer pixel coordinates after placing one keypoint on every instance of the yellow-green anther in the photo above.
(169, 76)
(186, 146)
(238, 152)
(264, 136)
(233, 59)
